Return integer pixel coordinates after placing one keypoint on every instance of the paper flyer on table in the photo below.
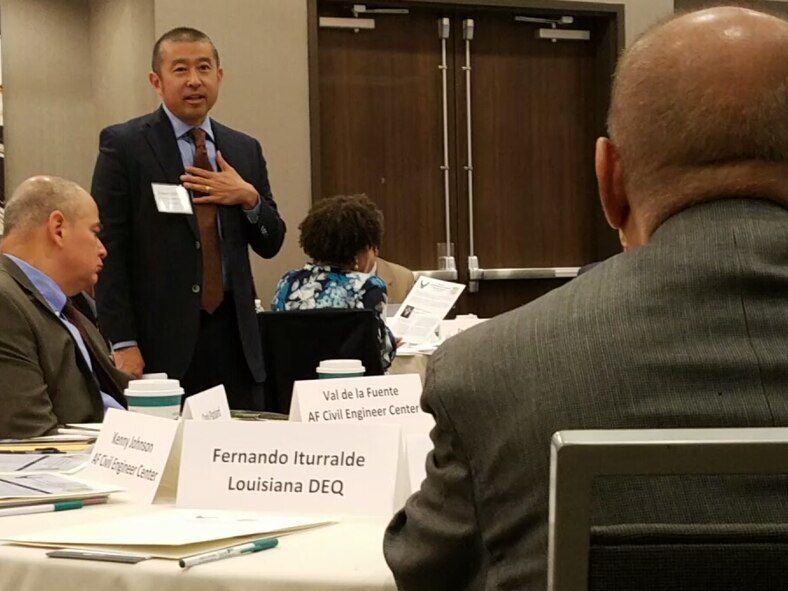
(426, 305)
(169, 533)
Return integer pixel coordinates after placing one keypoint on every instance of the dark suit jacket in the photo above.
(44, 381)
(690, 330)
(149, 288)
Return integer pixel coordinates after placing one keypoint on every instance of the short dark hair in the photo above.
(338, 228)
(180, 34)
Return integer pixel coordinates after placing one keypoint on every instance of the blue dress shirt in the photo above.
(187, 148)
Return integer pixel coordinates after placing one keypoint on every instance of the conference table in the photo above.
(347, 555)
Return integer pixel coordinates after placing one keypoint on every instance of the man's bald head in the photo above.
(53, 224)
(700, 110)
(36, 198)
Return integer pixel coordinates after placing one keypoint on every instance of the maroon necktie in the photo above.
(212, 283)
(100, 362)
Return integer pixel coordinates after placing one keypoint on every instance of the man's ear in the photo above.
(55, 226)
(155, 82)
(610, 180)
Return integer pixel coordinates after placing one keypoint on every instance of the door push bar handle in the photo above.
(444, 274)
(477, 274)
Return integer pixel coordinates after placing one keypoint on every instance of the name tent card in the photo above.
(131, 452)
(210, 405)
(292, 468)
(372, 399)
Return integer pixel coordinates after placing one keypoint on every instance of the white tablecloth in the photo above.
(346, 555)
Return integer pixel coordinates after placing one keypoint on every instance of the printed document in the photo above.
(426, 305)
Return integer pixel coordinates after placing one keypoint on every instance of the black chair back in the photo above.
(726, 481)
(296, 341)
(662, 557)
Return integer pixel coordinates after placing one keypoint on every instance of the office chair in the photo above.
(296, 341)
(655, 556)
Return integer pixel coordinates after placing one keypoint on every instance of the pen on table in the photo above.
(50, 507)
(248, 548)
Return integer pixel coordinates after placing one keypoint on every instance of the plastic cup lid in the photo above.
(153, 385)
(340, 366)
(154, 376)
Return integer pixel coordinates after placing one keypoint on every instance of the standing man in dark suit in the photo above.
(687, 328)
(177, 294)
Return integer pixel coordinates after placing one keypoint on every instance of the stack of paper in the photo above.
(32, 489)
(87, 429)
(49, 443)
(29, 463)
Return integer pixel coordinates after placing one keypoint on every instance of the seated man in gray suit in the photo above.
(54, 366)
(687, 328)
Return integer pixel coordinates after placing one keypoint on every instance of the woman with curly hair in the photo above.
(341, 236)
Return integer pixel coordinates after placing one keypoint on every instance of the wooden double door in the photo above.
(466, 127)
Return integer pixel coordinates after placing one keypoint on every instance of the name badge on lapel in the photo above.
(171, 198)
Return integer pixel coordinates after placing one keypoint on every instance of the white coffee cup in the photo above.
(157, 397)
(340, 368)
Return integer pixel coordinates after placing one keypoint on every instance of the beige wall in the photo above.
(121, 37)
(48, 107)
(641, 14)
(70, 68)
(55, 105)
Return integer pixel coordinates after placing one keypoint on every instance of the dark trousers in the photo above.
(219, 359)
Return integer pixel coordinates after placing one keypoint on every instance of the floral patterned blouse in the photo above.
(322, 286)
